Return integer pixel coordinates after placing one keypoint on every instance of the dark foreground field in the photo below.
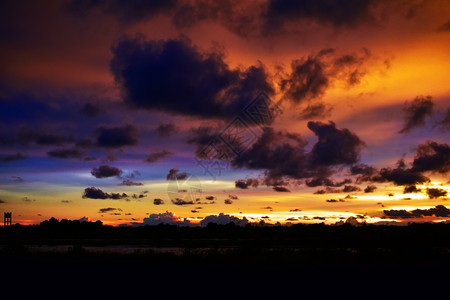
(226, 254)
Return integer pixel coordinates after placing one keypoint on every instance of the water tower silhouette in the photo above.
(7, 219)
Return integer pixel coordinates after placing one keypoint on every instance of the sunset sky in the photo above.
(138, 112)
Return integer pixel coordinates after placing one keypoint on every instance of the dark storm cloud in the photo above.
(14, 157)
(364, 172)
(67, 153)
(370, 189)
(282, 154)
(209, 138)
(175, 175)
(432, 157)
(28, 119)
(434, 193)
(325, 181)
(228, 201)
(335, 146)
(279, 153)
(351, 188)
(246, 183)
(363, 169)
(311, 76)
(283, 157)
(332, 190)
(320, 192)
(335, 13)
(398, 214)
(416, 112)
(158, 201)
(116, 136)
(174, 76)
(334, 200)
(140, 196)
(352, 59)
(329, 190)
(124, 11)
(280, 189)
(401, 176)
(166, 129)
(269, 181)
(315, 110)
(108, 209)
(445, 123)
(96, 193)
(199, 202)
(179, 201)
(105, 171)
(129, 182)
(155, 156)
(35, 120)
(438, 211)
(411, 189)
(203, 135)
(308, 80)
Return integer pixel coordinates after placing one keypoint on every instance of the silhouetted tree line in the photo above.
(52, 231)
(53, 224)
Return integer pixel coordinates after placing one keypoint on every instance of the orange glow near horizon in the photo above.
(255, 205)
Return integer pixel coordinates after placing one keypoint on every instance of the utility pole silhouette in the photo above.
(7, 219)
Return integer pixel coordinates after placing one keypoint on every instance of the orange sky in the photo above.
(63, 60)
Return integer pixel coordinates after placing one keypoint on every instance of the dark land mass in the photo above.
(426, 243)
(224, 251)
